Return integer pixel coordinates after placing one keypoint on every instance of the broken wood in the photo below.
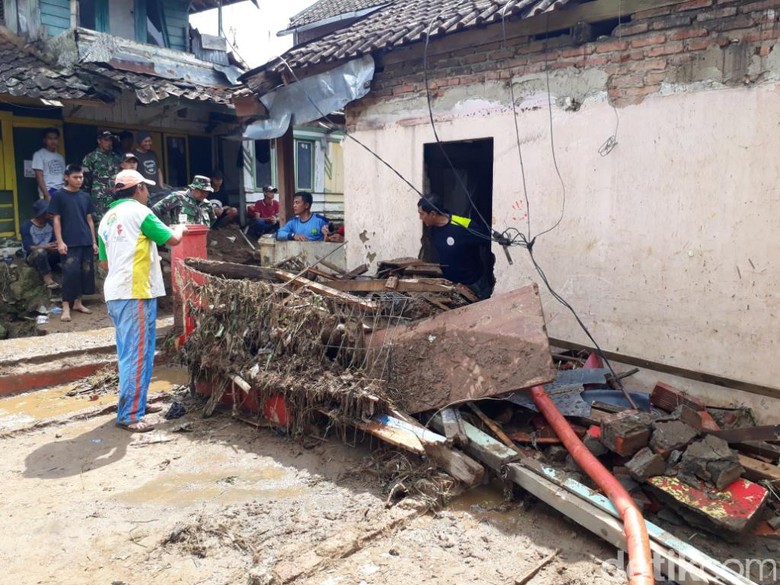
(438, 285)
(669, 398)
(485, 349)
(756, 470)
(297, 282)
(761, 433)
(457, 464)
(454, 430)
(493, 426)
(539, 566)
(355, 272)
(333, 267)
(232, 270)
(759, 448)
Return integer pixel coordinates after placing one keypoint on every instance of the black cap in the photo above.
(40, 207)
(270, 188)
(105, 134)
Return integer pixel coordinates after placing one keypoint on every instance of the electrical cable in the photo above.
(611, 142)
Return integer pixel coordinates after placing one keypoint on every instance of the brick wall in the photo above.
(728, 42)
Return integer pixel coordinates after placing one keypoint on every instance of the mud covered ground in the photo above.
(225, 503)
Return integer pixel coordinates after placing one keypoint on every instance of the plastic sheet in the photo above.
(310, 98)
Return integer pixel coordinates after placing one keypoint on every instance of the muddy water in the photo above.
(23, 410)
(228, 485)
(486, 504)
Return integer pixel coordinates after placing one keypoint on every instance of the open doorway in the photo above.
(465, 184)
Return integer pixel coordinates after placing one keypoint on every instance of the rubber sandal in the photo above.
(153, 408)
(136, 427)
(53, 286)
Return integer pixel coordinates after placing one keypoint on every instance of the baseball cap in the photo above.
(40, 207)
(270, 188)
(105, 134)
(130, 155)
(202, 183)
(130, 178)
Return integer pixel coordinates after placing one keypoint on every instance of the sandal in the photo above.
(136, 427)
(153, 408)
(82, 310)
(53, 285)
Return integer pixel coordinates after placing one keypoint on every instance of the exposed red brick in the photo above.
(756, 6)
(761, 35)
(667, 49)
(609, 46)
(632, 80)
(764, 51)
(693, 5)
(741, 21)
(655, 77)
(674, 21)
(654, 39)
(701, 420)
(652, 12)
(697, 44)
(717, 13)
(633, 28)
(668, 398)
(688, 33)
(502, 54)
(578, 51)
(475, 58)
(649, 65)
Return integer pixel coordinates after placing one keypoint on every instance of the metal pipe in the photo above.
(640, 568)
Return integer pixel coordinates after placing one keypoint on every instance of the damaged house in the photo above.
(131, 65)
(629, 141)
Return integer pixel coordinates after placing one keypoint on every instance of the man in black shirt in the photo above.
(74, 229)
(462, 246)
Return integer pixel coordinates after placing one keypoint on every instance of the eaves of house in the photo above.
(400, 23)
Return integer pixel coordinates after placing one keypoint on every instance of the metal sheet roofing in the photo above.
(407, 21)
(329, 9)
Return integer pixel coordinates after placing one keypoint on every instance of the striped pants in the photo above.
(136, 338)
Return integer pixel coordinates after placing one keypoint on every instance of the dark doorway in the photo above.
(465, 184)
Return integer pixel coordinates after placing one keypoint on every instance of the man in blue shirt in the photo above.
(40, 246)
(305, 226)
(462, 246)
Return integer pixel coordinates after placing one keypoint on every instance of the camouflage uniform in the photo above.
(170, 206)
(100, 168)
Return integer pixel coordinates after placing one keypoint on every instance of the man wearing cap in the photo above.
(128, 236)
(100, 167)
(148, 163)
(264, 214)
(39, 243)
(129, 162)
(192, 203)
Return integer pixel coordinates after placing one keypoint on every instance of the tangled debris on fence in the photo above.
(294, 343)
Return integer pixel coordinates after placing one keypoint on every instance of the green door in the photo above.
(26, 142)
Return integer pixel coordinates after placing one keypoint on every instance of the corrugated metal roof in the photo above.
(328, 9)
(407, 21)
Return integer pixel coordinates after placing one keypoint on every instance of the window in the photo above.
(156, 31)
(93, 14)
(304, 165)
(263, 165)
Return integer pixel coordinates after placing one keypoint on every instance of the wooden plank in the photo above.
(667, 561)
(333, 267)
(707, 377)
(761, 433)
(482, 446)
(452, 424)
(326, 291)
(232, 270)
(493, 426)
(401, 285)
(760, 448)
(457, 464)
(756, 470)
(355, 272)
(490, 348)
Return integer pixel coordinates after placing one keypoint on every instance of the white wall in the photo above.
(670, 245)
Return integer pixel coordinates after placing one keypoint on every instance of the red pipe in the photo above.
(640, 567)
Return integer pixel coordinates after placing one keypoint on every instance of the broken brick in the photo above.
(626, 432)
(646, 464)
(701, 420)
(712, 461)
(671, 436)
(727, 513)
(668, 398)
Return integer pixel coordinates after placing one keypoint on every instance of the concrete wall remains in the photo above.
(668, 246)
